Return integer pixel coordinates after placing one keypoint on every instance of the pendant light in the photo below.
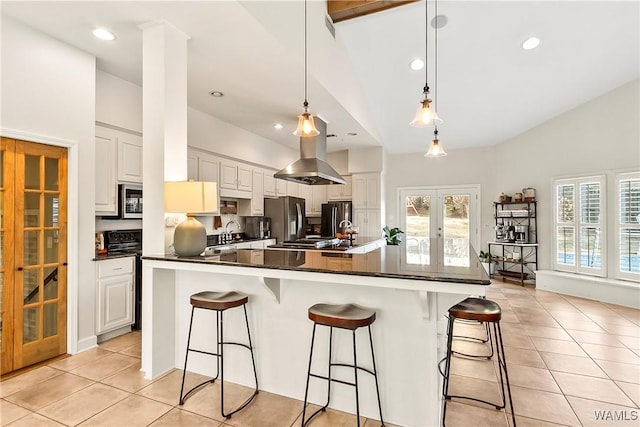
(306, 125)
(436, 150)
(426, 115)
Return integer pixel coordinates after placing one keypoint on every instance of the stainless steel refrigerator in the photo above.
(333, 214)
(287, 218)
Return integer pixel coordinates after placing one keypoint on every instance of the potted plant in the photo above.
(484, 259)
(393, 235)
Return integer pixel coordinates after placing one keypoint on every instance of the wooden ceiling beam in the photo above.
(342, 10)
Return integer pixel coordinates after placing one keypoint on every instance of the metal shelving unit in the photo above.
(516, 261)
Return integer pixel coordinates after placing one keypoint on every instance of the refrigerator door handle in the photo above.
(334, 217)
(299, 221)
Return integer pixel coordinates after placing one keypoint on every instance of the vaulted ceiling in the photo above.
(489, 89)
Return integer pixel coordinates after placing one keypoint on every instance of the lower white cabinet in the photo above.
(114, 296)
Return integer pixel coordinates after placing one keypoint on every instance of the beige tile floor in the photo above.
(567, 358)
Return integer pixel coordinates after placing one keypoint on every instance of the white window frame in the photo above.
(618, 226)
(577, 225)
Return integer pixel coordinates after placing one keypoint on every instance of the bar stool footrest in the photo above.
(498, 407)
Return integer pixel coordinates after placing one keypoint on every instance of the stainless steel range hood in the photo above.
(312, 168)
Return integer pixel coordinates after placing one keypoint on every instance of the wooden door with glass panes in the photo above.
(37, 256)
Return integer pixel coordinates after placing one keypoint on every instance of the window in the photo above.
(579, 230)
(628, 226)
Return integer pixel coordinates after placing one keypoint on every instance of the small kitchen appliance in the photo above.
(522, 234)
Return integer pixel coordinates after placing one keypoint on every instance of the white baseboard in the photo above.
(612, 291)
(115, 333)
(87, 343)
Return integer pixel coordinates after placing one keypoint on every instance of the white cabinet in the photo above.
(281, 187)
(106, 184)
(305, 192)
(204, 167)
(340, 191)
(269, 183)
(368, 220)
(293, 189)
(114, 296)
(254, 206)
(366, 191)
(129, 157)
(235, 176)
(313, 205)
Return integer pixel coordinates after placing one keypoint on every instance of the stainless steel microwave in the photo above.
(129, 202)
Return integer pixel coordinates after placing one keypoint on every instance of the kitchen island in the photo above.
(410, 294)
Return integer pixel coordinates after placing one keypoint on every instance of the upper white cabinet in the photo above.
(203, 167)
(235, 175)
(255, 206)
(269, 183)
(305, 191)
(293, 189)
(106, 184)
(366, 191)
(281, 187)
(118, 157)
(340, 191)
(129, 157)
(317, 195)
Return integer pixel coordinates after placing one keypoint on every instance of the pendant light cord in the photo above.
(306, 103)
(426, 47)
(435, 63)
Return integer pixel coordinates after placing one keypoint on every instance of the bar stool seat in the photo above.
(479, 310)
(219, 302)
(345, 316)
(341, 316)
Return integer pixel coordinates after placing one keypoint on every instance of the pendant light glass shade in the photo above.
(306, 124)
(426, 115)
(435, 150)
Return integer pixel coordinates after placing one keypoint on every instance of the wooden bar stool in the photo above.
(219, 302)
(344, 316)
(479, 310)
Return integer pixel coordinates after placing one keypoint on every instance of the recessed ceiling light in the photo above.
(417, 64)
(352, 134)
(530, 43)
(216, 93)
(104, 34)
(278, 126)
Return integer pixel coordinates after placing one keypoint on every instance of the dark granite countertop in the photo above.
(459, 265)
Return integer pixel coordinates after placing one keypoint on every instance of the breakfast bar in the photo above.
(410, 295)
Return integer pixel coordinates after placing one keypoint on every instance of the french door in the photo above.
(445, 217)
(33, 246)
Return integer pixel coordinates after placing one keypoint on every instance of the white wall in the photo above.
(118, 102)
(48, 93)
(209, 133)
(599, 136)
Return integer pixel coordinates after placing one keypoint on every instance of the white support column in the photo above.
(164, 123)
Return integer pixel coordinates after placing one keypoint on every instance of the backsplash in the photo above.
(209, 221)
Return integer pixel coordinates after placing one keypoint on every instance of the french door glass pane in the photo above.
(418, 217)
(455, 229)
(31, 245)
(50, 283)
(31, 172)
(50, 319)
(50, 246)
(50, 174)
(565, 203)
(590, 247)
(30, 324)
(31, 209)
(30, 286)
(51, 206)
(565, 251)
(630, 250)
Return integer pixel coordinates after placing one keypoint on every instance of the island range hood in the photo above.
(312, 168)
